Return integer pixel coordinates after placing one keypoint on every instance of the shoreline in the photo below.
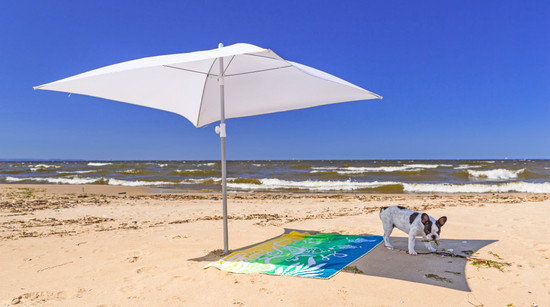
(106, 189)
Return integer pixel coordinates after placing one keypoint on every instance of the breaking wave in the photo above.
(209, 164)
(361, 170)
(99, 163)
(74, 180)
(42, 167)
(310, 185)
(138, 183)
(466, 166)
(496, 174)
(520, 187)
(76, 172)
(131, 171)
(80, 180)
(267, 184)
(195, 172)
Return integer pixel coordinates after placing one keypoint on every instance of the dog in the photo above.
(413, 223)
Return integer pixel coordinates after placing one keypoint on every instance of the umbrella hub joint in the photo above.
(221, 130)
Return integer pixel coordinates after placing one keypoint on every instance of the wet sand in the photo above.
(98, 245)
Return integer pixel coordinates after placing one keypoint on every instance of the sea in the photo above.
(316, 176)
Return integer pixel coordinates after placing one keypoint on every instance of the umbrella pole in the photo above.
(224, 168)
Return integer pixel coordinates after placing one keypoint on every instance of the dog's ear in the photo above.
(425, 218)
(442, 220)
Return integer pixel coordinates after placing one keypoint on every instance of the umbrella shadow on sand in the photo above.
(427, 268)
(217, 254)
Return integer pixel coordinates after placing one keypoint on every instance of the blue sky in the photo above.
(460, 79)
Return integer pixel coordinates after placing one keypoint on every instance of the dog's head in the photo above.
(432, 231)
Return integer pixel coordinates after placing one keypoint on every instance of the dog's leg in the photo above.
(430, 246)
(412, 237)
(388, 228)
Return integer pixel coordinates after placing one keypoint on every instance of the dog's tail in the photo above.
(382, 209)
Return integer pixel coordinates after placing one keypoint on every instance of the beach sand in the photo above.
(94, 245)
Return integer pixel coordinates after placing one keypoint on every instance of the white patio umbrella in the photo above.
(208, 86)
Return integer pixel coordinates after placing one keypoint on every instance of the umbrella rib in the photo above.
(257, 71)
(227, 67)
(189, 70)
(203, 90)
(263, 56)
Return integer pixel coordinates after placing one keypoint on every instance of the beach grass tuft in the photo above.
(352, 269)
(438, 278)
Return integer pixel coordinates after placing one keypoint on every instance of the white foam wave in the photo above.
(74, 180)
(203, 180)
(80, 180)
(37, 167)
(208, 164)
(521, 187)
(191, 171)
(311, 185)
(76, 172)
(99, 163)
(466, 166)
(348, 185)
(137, 183)
(496, 174)
(361, 170)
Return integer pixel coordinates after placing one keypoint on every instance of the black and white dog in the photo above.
(413, 223)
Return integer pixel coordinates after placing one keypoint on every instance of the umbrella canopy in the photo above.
(258, 81)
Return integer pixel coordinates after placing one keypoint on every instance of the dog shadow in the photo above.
(427, 268)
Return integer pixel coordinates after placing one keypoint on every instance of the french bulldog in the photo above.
(413, 223)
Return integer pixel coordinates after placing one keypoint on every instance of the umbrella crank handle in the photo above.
(221, 130)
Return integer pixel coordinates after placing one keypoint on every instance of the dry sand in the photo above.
(116, 246)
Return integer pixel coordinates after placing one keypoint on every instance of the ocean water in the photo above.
(330, 176)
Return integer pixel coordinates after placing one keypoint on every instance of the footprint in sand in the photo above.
(131, 259)
(41, 297)
(516, 285)
(127, 289)
(146, 269)
(175, 299)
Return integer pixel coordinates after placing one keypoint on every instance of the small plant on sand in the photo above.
(352, 269)
(27, 192)
(487, 263)
(468, 252)
(478, 262)
(438, 278)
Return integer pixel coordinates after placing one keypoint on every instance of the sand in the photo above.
(99, 245)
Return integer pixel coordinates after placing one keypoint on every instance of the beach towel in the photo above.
(299, 254)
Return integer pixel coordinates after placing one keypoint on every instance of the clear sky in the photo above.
(460, 79)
